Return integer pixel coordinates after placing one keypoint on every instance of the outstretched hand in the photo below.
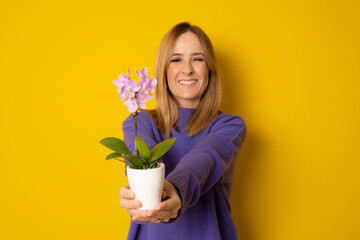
(167, 209)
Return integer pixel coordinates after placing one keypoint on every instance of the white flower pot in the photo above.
(147, 185)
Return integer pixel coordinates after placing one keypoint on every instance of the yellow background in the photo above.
(289, 68)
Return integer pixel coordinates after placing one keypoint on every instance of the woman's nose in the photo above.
(188, 68)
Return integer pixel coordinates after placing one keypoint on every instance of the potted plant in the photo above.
(144, 170)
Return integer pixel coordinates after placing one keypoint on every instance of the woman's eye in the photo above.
(199, 59)
(175, 60)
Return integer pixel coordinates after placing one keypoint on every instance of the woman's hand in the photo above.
(128, 202)
(167, 209)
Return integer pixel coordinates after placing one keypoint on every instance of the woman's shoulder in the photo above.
(229, 124)
(229, 118)
(147, 115)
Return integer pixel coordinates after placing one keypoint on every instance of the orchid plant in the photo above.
(135, 96)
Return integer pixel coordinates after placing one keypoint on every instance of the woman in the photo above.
(199, 167)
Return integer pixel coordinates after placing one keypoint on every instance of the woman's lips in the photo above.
(188, 82)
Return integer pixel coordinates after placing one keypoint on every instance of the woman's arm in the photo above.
(198, 170)
(201, 168)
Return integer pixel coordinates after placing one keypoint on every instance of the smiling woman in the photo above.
(186, 51)
(200, 165)
(188, 75)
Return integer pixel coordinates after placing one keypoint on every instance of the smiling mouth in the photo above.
(187, 82)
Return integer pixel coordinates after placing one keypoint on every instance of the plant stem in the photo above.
(135, 114)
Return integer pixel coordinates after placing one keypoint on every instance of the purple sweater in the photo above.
(201, 168)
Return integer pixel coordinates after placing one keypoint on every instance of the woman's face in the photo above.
(188, 75)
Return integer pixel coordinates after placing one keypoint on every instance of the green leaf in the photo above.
(127, 163)
(159, 150)
(117, 156)
(116, 145)
(143, 148)
(114, 155)
(136, 161)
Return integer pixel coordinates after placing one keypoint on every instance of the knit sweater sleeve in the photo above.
(201, 168)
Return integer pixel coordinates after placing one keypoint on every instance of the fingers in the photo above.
(170, 205)
(167, 205)
(163, 195)
(129, 205)
(128, 201)
(145, 216)
(126, 192)
(164, 211)
(151, 216)
(172, 200)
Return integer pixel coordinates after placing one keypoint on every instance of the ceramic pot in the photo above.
(147, 185)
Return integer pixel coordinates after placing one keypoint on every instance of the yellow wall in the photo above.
(290, 69)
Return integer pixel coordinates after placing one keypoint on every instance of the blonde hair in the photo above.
(166, 113)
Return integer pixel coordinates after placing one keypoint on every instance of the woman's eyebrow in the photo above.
(193, 54)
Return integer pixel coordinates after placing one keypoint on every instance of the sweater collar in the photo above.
(184, 116)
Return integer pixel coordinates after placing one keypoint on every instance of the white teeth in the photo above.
(187, 82)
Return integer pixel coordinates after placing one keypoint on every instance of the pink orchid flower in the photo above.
(136, 94)
(127, 88)
(147, 84)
